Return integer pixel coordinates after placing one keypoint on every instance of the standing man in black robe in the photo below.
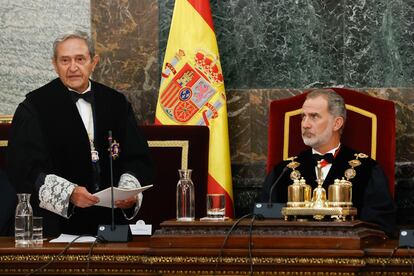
(323, 120)
(58, 149)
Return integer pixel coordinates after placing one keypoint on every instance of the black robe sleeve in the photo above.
(377, 205)
(8, 202)
(27, 156)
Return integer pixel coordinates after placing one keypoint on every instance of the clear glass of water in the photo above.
(37, 238)
(216, 206)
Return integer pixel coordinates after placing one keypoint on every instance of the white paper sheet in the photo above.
(119, 194)
(66, 238)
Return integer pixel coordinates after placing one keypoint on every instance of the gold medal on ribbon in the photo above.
(94, 152)
(354, 163)
(94, 156)
(350, 173)
(295, 174)
(361, 155)
(114, 149)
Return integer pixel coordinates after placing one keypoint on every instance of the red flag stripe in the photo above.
(167, 92)
(171, 99)
(203, 8)
(168, 101)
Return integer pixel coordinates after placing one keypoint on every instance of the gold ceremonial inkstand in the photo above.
(303, 202)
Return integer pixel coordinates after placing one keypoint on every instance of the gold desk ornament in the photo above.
(307, 191)
(340, 193)
(299, 193)
(338, 205)
(319, 200)
(294, 195)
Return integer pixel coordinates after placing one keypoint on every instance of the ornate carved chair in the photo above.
(173, 148)
(370, 128)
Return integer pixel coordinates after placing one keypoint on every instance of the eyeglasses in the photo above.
(80, 59)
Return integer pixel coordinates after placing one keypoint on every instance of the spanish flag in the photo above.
(192, 88)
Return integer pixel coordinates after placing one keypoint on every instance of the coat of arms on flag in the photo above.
(194, 83)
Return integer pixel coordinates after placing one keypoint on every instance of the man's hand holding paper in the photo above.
(80, 197)
(126, 203)
(123, 198)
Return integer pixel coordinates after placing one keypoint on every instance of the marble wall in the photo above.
(27, 31)
(269, 50)
(126, 35)
(307, 43)
(275, 49)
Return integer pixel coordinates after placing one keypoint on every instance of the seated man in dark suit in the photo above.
(8, 201)
(323, 120)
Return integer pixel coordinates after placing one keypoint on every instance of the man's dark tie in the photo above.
(328, 157)
(88, 96)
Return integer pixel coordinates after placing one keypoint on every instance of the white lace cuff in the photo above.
(128, 181)
(54, 194)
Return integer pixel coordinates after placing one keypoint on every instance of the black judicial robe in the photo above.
(370, 194)
(8, 202)
(48, 137)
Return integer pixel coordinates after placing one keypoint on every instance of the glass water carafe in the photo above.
(23, 224)
(185, 197)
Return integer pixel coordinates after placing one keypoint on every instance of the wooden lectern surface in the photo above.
(207, 248)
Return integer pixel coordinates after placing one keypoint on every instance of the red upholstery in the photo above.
(5, 126)
(159, 201)
(358, 133)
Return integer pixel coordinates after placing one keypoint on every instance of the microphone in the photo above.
(275, 183)
(269, 209)
(113, 233)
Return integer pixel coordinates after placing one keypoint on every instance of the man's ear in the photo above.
(338, 123)
(95, 61)
(54, 64)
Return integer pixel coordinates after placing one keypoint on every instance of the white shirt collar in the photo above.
(87, 89)
(330, 151)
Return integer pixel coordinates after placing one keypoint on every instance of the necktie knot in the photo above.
(328, 157)
(88, 96)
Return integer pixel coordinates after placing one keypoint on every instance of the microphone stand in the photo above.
(269, 209)
(274, 185)
(113, 233)
(111, 170)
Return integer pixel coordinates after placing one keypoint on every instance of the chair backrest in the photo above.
(5, 127)
(173, 148)
(370, 128)
(8, 199)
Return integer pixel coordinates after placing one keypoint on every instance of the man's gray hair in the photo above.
(336, 104)
(74, 34)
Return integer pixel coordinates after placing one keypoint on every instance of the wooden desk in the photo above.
(107, 258)
(195, 249)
